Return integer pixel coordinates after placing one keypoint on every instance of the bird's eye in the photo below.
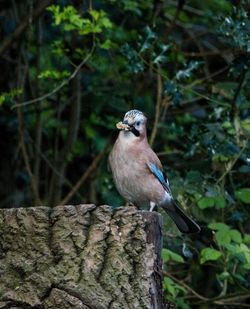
(138, 123)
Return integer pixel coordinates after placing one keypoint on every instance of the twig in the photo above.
(186, 287)
(24, 25)
(230, 166)
(207, 53)
(202, 80)
(86, 174)
(158, 106)
(218, 300)
(60, 86)
(237, 92)
(22, 141)
(72, 132)
(52, 167)
(227, 300)
(39, 121)
(186, 8)
(173, 21)
(185, 88)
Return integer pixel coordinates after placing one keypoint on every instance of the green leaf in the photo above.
(246, 124)
(218, 226)
(235, 236)
(247, 266)
(220, 201)
(206, 202)
(243, 195)
(173, 288)
(168, 255)
(2, 99)
(95, 14)
(224, 275)
(209, 254)
(223, 237)
(107, 44)
(169, 285)
(247, 238)
(7, 96)
(246, 251)
(53, 74)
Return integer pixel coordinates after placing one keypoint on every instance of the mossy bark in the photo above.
(80, 257)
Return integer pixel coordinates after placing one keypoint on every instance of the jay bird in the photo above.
(138, 173)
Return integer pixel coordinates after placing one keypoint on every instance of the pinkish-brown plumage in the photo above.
(131, 174)
(137, 171)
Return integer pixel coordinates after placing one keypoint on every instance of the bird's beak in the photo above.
(123, 125)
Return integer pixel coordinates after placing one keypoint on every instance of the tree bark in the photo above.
(80, 257)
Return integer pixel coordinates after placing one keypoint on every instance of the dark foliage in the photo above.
(69, 73)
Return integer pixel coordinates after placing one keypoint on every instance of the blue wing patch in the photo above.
(160, 175)
(156, 171)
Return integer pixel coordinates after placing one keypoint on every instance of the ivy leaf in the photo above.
(243, 195)
(209, 254)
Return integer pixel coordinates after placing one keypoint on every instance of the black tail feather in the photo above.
(183, 222)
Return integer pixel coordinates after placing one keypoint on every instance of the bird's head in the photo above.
(133, 124)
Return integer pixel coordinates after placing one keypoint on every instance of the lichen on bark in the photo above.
(80, 256)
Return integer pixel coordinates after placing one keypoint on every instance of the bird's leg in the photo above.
(152, 206)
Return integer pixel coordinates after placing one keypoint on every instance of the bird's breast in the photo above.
(132, 177)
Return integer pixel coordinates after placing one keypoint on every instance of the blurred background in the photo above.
(69, 72)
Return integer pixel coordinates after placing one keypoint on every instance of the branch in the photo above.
(207, 53)
(24, 25)
(86, 174)
(158, 106)
(179, 8)
(52, 167)
(60, 86)
(187, 87)
(39, 121)
(21, 81)
(218, 300)
(187, 287)
(230, 165)
(227, 300)
(237, 92)
(73, 127)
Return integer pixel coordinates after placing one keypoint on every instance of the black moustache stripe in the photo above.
(134, 131)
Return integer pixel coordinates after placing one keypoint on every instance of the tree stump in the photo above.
(80, 256)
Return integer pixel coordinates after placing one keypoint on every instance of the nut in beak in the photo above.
(122, 126)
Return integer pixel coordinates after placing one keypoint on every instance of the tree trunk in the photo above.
(80, 257)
